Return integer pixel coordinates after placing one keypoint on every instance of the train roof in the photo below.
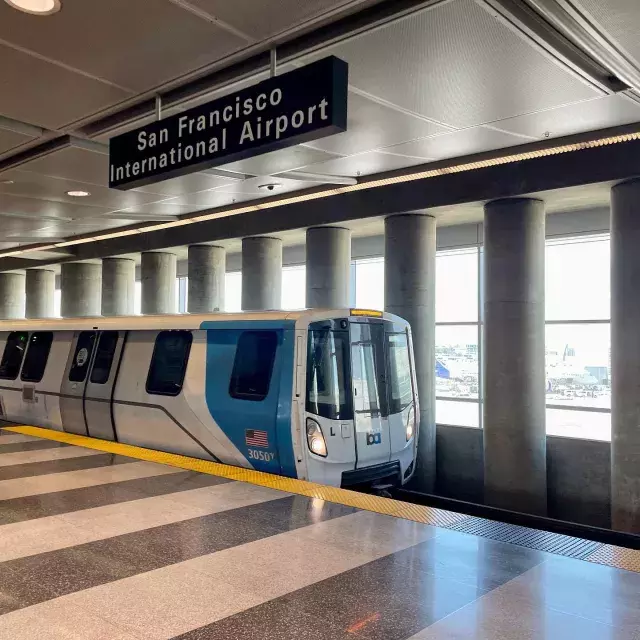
(181, 321)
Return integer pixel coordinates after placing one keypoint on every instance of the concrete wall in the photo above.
(578, 474)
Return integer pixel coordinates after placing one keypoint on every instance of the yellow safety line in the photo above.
(609, 555)
(377, 504)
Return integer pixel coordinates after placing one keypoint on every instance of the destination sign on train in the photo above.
(299, 106)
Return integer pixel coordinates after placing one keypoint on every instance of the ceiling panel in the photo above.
(574, 118)
(264, 18)
(190, 183)
(11, 139)
(620, 19)
(34, 185)
(278, 161)
(364, 164)
(19, 226)
(135, 44)
(458, 143)
(372, 125)
(18, 205)
(457, 64)
(47, 95)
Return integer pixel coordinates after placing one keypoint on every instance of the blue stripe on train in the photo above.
(273, 414)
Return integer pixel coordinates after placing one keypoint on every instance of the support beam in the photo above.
(81, 285)
(206, 271)
(12, 296)
(118, 286)
(328, 264)
(158, 275)
(515, 471)
(410, 292)
(41, 287)
(625, 357)
(261, 273)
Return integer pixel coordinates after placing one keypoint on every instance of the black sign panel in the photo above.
(299, 106)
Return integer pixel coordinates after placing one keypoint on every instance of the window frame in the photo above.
(111, 360)
(35, 380)
(4, 354)
(185, 362)
(233, 393)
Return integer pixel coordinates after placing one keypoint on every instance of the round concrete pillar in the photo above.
(261, 273)
(625, 357)
(410, 292)
(118, 286)
(515, 440)
(12, 296)
(80, 284)
(328, 264)
(158, 275)
(206, 270)
(40, 286)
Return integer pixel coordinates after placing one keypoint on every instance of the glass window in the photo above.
(577, 283)
(13, 355)
(35, 362)
(370, 283)
(588, 425)
(457, 374)
(82, 356)
(457, 286)
(169, 363)
(137, 298)
(233, 291)
(459, 414)
(57, 303)
(366, 393)
(327, 374)
(400, 384)
(294, 287)
(253, 364)
(104, 357)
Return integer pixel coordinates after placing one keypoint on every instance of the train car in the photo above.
(328, 396)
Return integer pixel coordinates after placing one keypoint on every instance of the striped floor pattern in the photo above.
(101, 546)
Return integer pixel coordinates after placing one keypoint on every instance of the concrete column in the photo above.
(206, 269)
(515, 441)
(81, 285)
(118, 286)
(158, 275)
(328, 263)
(41, 287)
(625, 357)
(261, 273)
(410, 292)
(12, 298)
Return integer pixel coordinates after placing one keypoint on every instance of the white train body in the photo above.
(328, 396)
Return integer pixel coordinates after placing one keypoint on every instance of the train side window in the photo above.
(13, 355)
(82, 356)
(169, 363)
(253, 365)
(35, 362)
(105, 352)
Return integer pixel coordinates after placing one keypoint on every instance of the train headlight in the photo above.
(411, 423)
(315, 439)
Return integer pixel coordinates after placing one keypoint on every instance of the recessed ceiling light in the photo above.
(36, 7)
(270, 186)
(78, 194)
(6, 181)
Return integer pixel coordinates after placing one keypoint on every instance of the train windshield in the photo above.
(364, 368)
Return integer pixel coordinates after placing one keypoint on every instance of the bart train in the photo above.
(328, 396)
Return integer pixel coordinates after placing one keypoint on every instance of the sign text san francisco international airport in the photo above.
(302, 105)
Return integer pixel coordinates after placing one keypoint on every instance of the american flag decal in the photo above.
(256, 438)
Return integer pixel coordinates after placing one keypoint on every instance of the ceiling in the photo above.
(448, 79)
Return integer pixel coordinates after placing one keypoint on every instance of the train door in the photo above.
(371, 417)
(98, 396)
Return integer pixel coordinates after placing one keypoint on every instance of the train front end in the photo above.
(360, 414)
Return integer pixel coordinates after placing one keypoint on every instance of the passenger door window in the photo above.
(253, 365)
(105, 353)
(35, 362)
(13, 355)
(82, 356)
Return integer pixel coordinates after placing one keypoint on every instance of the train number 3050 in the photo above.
(265, 456)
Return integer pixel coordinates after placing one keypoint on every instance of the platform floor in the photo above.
(97, 545)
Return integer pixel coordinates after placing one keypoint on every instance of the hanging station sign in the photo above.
(302, 105)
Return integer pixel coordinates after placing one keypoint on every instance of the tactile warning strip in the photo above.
(609, 555)
(532, 538)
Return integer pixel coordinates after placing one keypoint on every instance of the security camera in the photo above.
(270, 186)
